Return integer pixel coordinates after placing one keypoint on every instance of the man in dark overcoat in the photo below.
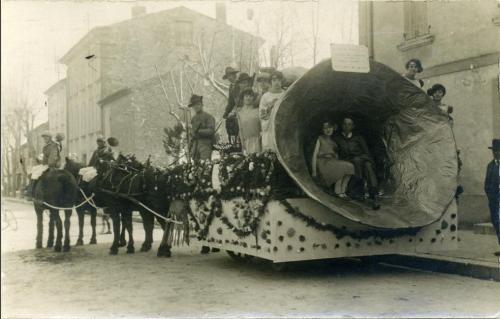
(492, 187)
(203, 131)
(103, 152)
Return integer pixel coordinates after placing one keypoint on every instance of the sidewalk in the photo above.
(474, 257)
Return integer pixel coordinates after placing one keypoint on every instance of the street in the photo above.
(87, 282)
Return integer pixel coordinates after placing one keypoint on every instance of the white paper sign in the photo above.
(350, 58)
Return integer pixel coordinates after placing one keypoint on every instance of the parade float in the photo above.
(267, 205)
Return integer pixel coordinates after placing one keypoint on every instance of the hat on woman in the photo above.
(244, 77)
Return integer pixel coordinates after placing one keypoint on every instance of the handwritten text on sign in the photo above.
(350, 58)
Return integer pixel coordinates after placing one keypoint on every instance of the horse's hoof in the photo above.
(205, 250)
(113, 251)
(93, 241)
(130, 250)
(66, 248)
(39, 246)
(122, 243)
(50, 244)
(57, 248)
(145, 247)
(79, 242)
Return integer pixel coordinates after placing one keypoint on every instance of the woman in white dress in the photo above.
(249, 123)
(266, 108)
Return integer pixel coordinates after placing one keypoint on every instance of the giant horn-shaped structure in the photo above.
(398, 120)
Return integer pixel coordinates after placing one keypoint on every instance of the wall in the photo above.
(56, 103)
(464, 35)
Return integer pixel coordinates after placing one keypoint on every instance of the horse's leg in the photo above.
(106, 219)
(128, 225)
(93, 217)
(164, 249)
(148, 224)
(81, 220)
(123, 241)
(39, 226)
(55, 214)
(115, 218)
(67, 225)
(50, 239)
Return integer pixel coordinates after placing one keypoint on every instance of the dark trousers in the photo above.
(495, 216)
(363, 168)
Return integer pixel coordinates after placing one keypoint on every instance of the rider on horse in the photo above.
(51, 159)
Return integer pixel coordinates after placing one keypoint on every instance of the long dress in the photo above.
(266, 108)
(249, 129)
(326, 166)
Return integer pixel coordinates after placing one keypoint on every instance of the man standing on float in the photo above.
(203, 131)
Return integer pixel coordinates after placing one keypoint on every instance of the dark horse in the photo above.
(58, 189)
(74, 168)
(117, 182)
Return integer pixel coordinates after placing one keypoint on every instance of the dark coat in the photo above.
(203, 125)
(51, 155)
(491, 182)
(350, 148)
(103, 153)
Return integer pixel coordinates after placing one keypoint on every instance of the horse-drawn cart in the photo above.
(418, 211)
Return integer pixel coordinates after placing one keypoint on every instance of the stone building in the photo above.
(113, 60)
(56, 104)
(458, 43)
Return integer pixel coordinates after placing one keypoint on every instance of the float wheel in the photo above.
(240, 257)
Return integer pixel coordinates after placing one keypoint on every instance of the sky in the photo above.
(35, 34)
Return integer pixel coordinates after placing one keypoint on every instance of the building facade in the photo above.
(458, 43)
(111, 59)
(57, 114)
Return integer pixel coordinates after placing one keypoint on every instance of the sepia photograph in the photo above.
(250, 159)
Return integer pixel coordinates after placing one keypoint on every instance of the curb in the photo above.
(442, 264)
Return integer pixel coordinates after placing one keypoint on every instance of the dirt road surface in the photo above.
(87, 282)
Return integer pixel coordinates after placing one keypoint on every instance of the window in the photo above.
(183, 33)
(415, 17)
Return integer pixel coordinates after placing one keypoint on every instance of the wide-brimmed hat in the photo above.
(100, 138)
(495, 144)
(46, 133)
(229, 70)
(195, 99)
(244, 77)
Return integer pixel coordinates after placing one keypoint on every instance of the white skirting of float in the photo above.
(282, 237)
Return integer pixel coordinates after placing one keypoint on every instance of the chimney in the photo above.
(220, 12)
(138, 11)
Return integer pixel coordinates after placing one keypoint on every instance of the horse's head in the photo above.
(72, 166)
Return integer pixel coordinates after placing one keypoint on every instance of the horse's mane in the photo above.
(129, 160)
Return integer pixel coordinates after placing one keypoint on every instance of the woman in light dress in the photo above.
(267, 107)
(249, 123)
(326, 168)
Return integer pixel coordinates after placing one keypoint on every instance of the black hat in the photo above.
(195, 99)
(495, 144)
(229, 70)
(244, 77)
